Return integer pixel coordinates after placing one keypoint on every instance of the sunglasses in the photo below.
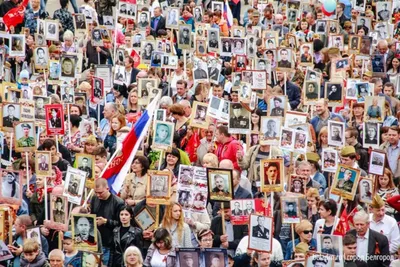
(306, 232)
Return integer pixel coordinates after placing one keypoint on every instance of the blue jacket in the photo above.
(289, 248)
(320, 178)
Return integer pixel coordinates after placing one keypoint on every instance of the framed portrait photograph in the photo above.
(345, 182)
(311, 91)
(366, 190)
(41, 57)
(11, 113)
(84, 231)
(341, 64)
(260, 233)
(270, 130)
(272, 175)
(156, 59)
(336, 133)
(90, 259)
(96, 39)
(143, 19)
(145, 220)
(300, 141)
(59, 210)
(285, 58)
(334, 93)
(297, 184)
(11, 187)
(184, 36)
(220, 184)
(185, 197)
(371, 136)
(25, 137)
(378, 64)
(188, 256)
(172, 18)
(68, 66)
(169, 62)
(43, 163)
(199, 116)
(377, 161)
(226, 47)
(332, 245)
(214, 70)
(375, 110)
(351, 90)
(363, 23)
(105, 72)
(163, 135)
(40, 103)
(354, 44)
(363, 90)
(5, 252)
(238, 46)
(277, 106)
(239, 121)
(294, 118)
(321, 26)
(74, 185)
(336, 41)
(145, 87)
(213, 39)
(34, 233)
(383, 11)
(159, 187)
(366, 44)
(201, 47)
(17, 45)
(51, 30)
(79, 21)
(214, 256)
(319, 259)
(97, 88)
(54, 119)
(54, 70)
(120, 74)
(329, 159)
(200, 70)
(86, 162)
(86, 128)
(306, 54)
(287, 139)
(67, 93)
(290, 208)
(263, 64)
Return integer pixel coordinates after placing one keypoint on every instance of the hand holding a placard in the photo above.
(147, 234)
(223, 238)
(239, 154)
(100, 221)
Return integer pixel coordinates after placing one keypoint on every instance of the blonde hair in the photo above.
(136, 251)
(212, 158)
(324, 130)
(302, 226)
(168, 221)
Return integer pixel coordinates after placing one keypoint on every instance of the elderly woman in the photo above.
(68, 44)
(161, 252)
(304, 229)
(133, 257)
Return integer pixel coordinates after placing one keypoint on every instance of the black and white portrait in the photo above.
(238, 46)
(270, 130)
(159, 185)
(80, 21)
(74, 185)
(185, 40)
(213, 39)
(143, 19)
(67, 67)
(260, 236)
(11, 114)
(84, 231)
(58, 209)
(52, 30)
(371, 134)
(336, 41)
(239, 121)
(147, 50)
(11, 186)
(377, 162)
(366, 188)
(285, 58)
(334, 93)
(217, 6)
(198, 14)
(41, 56)
(383, 11)
(320, 27)
(336, 133)
(17, 45)
(277, 106)
(172, 18)
(96, 38)
(363, 23)
(200, 70)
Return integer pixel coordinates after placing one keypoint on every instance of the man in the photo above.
(26, 140)
(249, 208)
(291, 211)
(157, 22)
(271, 130)
(346, 183)
(83, 226)
(67, 68)
(277, 110)
(306, 57)
(284, 59)
(384, 14)
(384, 224)
(350, 252)
(392, 149)
(205, 142)
(172, 17)
(130, 72)
(362, 26)
(272, 174)
(227, 146)
(335, 93)
(84, 167)
(367, 194)
(213, 71)
(58, 214)
(181, 92)
(372, 246)
(198, 72)
(184, 37)
(43, 165)
(104, 205)
(262, 65)
(188, 260)
(56, 258)
(336, 134)
(351, 138)
(143, 22)
(304, 169)
(237, 211)
(219, 187)
(259, 230)
(327, 246)
(41, 57)
(96, 36)
(8, 121)
(278, 26)
(311, 92)
(110, 110)
(213, 43)
(323, 115)
(237, 119)
(67, 97)
(292, 90)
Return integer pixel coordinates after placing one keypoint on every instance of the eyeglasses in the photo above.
(306, 232)
(207, 240)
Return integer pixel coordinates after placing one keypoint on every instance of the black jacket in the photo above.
(160, 26)
(239, 231)
(364, 157)
(108, 209)
(134, 237)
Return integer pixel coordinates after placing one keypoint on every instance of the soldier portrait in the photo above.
(25, 136)
(54, 119)
(58, 209)
(236, 208)
(366, 190)
(11, 114)
(220, 187)
(43, 164)
(86, 164)
(260, 233)
(285, 58)
(239, 121)
(290, 209)
(259, 230)
(84, 231)
(336, 133)
(345, 181)
(277, 106)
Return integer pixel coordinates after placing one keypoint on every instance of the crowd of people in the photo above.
(275, 140)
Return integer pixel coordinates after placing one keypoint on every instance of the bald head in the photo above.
(382, 46)
(278, 19)
(226, 164)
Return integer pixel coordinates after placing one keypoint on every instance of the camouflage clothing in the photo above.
(31, 17)
(65, 18)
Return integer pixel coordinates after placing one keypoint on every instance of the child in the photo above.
(72, 256)
(32, 256)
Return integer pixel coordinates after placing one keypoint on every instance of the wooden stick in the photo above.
(69, 126)
(10, 221)
(11, 142)
(46, 211)
(60, 239)
(27, 170)
(337, 215)
(58, 150)
(293, 245)
(223, 218)
(272, 204)
(157, 223)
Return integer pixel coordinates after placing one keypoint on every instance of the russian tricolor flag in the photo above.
(118, 167)
(228, 14)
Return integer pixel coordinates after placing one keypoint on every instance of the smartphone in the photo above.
(15, 244)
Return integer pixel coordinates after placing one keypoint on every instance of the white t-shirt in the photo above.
(158, 260)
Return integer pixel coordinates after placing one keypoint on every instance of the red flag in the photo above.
(343, 226)
(16, 15)
(136, 58)
(352, 213)
(191, 147)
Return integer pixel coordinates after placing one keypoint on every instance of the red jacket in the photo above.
(228, 151)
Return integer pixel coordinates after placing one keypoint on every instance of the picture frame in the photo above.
(312, 258)
(354, 44)
(156, 59)
(86, 163)
(334, 93)
(25, 136)
(163, 135)
(145, 220)
(345, 181)
(90, 259)
(34, 233)
(306, 54)
(6, 253)
(97, 88)
(366, 190)
(290, 210)
(79, 21)
(371, 136)
(311, 92)
(143, 20)
(213, 40)
(40, 103)
(43, 163)
(331, 245)
(172, 18)
(337, 41)
(84, 231)
(366, 44)
(260, 233)
(329, 159)
(377, 162)
(240, 117)
(199, 118)
(59, 210)
(270, 130)
(74, 185)
(54, 119)
(11, 113)
(375, 110)
(200, 71)
(363, 90)
(287, 138)
(277, 106)
(201, 46)
(1, 142)
(17, 45)
(297, 184)
(285, 58)
(272, 175)
(169, 62)
(294, 118)
(214, 253)
(214, 70)
(41, 58)
(51, 30)
(104, 71)
(159, 187)
(7, 180)
(184, 36)
(96, 39)
(220, 184)
(336, 131)
(86, 128)
(321, 26)
(184, 255)
(68, 64)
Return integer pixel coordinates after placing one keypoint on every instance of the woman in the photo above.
(173, 221)
(68, 44)
(133, 108)
(205, 238)
(90, 145)
(110, 142)
(200, 93)
(322, 140)
(304, 230)
(316, 171)
(125, 236)
(189, 75)
(313, 199)
(181, 121)
(120, 94)
(171, 162)
(394, 69)
(210, 160)
(161, 252)
(256, 120)
(10, 185)
(75, 146)
(187, 16)
(134, 187)
(385, 188)
(133, 257)
(327, 211)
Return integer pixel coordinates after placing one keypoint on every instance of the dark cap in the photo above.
(26, 125)
(187, 256)
(236, 106)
